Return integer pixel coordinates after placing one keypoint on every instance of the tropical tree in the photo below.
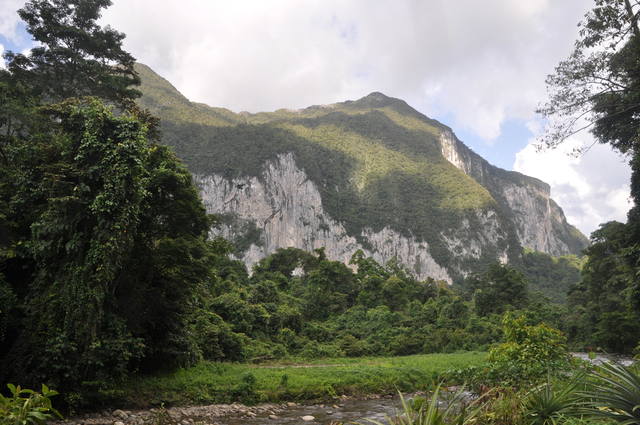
(115, 250)
(598, 87)
(497, 290)
(74, 56)
(103, 251)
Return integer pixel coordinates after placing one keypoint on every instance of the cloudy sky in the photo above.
(477, 66)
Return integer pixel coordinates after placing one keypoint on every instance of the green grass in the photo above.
(210, 382)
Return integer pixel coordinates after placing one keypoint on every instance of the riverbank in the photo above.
(342, 409)
(323, 379)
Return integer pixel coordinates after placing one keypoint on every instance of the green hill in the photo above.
(377, 164)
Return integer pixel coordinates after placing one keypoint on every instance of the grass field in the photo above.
(210, 382)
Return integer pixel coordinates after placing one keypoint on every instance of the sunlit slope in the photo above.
(376, 161)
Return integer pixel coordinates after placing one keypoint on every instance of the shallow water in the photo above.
(602, 358)
(348, 410)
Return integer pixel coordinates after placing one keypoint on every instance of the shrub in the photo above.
(433, 412)
(529, 351)
(27, 407)
(550, 404)
(613, 393)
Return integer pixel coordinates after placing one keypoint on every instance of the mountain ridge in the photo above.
(378, 171)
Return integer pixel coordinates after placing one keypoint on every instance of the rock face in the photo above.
(372, 175)
(287, 208)
(539, 222)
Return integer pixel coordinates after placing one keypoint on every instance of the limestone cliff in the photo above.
(372, 174)
(539, 222)
(287, 208)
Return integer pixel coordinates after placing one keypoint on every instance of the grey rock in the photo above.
(308, 418)
(287, 206)
(120, 414)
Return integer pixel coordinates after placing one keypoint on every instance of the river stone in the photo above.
(119, 414)
(118, 423)
(308, 418)
(274, 417)
(291, 404)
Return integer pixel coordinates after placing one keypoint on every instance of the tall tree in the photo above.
(497, 290)
(75, 56)
(115, 252)
(102, 233)
(598, 87)
(603, 309)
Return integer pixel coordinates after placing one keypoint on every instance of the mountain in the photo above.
(371, 174)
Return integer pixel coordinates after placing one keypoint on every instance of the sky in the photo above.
(476, 66)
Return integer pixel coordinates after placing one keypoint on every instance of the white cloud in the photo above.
(2, 65)
(9, 18)
(487, 59)
(481, 63)
(592, 188)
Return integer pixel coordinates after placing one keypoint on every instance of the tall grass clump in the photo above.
(613, 393)
(552, 404)
(430, 411)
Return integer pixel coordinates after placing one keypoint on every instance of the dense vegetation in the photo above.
(598, 87)
(103, 235)
(106, 271)
(376, 162)
(551, 276)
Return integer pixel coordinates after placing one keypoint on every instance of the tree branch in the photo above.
(633, 18)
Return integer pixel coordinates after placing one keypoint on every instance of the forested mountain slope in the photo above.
(371, 174)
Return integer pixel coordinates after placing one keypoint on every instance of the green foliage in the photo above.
(550, 405)
(503, 407)
(73, 51)
(430, 411)
(551, 276)
(499, 289)
(613, 393)
(102, 234)
(113, 249)
(528, 352)
(27, 407)
(599, 81)
(599, 84)
(603, 312)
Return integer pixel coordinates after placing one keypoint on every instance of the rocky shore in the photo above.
(214, 414)
(203, 415)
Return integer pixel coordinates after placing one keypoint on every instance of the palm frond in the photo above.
(613, 392)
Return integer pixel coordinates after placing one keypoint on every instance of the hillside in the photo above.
(371, 174)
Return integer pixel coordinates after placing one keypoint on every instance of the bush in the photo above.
(528, 353)
(613, 393)
(27, 407)
(314, 350)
